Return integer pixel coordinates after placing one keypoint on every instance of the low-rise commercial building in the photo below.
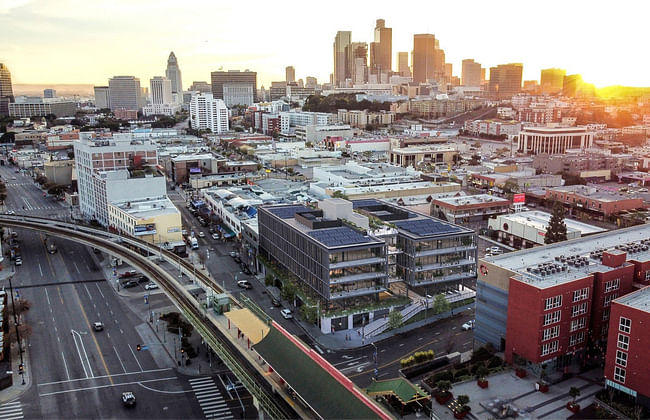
(416, 155)
(25, 107)
(580, 164)
(317, 133)
(469, 208)
(592, 201)
(155, 220)
(363, 118)
(553, 140)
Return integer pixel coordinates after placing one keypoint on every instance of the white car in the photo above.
(469, 325)
(215, 236)
(19, 261)
(11, 212)
(150, 286)
(286, 313)
(201, 235)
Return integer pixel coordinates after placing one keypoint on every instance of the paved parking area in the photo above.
(520, 394)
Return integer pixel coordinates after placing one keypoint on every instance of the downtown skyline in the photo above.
(135, 39)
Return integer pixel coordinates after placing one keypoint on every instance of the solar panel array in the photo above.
(366, 203)
(426, 227)
(287, 212)
(338, 236)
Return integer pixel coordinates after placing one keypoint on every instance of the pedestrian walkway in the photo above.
(210, 398)
(11, 411)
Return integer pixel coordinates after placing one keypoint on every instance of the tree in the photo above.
(440, 304)
(510, 187)
(443, 386)
(395, 320)
(463, 400)
(339, 194)
(556, 231)
(482, 372)
(574, 393)
(475, 160)
(9, 137)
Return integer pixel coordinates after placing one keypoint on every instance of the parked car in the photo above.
(201, 234)
(128, 399)
(286, 313)
(150, 286)
(275, 302)
(245, 284)
(215, 236)
(237, 259)
(143, 279)
(234, 254)
(469, 325)
(246, 270)
(19, 261)
(11, 212)
(129, 284)
(98, 326)
(129, 273)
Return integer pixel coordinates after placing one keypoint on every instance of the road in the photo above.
(77, 372)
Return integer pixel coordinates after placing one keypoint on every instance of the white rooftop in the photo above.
(639, 299)
(472, 199)
(540, 219)
(145, 209)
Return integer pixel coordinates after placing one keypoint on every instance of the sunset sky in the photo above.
(88, 41)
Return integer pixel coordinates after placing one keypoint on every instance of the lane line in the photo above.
(40, 269)
(79, 352)
(106, 386)
(105, 376)
(88, 291)
(67, 373)
(47, 295)
(118, 358)
(100, 290)
(164, 392)
(99, 350)
(136, 359)
(75, 266)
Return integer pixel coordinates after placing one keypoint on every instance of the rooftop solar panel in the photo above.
(365, 203)
(287, 212)
(427, 227)
(338, 236)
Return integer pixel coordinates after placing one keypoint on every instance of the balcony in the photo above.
(354, 263)
(357, 277)
(436, 266)
(443, 279)
(440, 251)
(356, 292)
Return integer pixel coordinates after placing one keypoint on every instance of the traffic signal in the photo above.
(182, 350)
(138, 347)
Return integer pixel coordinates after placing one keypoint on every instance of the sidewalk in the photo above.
(17, 388)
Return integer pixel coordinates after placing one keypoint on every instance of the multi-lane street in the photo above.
(77, 372)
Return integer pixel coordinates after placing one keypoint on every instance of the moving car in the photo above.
(245, 284)
(19, 261)
(128, 399)
(150, 286)
(127, 274)
(234, 254)
(11, 212)
(215, 236)
(469, 325)
(275, 302)
(98, 326)
(286, 313)
(201, 234)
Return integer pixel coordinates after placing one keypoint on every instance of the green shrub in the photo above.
(495, 362)
(461, 372)
(445, 375)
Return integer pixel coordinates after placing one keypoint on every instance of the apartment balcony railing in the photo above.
(351, 278)
(440, 251)
(459, 263)
(354, 263)
(442, 279)
(356, 292)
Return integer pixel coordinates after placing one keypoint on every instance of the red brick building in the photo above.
(592, 201)
(627, 364)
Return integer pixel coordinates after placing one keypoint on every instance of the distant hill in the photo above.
(618, 91)
(61, 89)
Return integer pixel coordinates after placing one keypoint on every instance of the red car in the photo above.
(129, 273)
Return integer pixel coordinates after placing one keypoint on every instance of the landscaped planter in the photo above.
(574, 408)
(542, 387)
(443, 399)
(461, 414)
(482, 383)
(521, 372)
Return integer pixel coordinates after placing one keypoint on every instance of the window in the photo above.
(605, 314)
(621, 358)
(549, 348)
(612, 285)
(610, 298)
(552, 317)
(623, 342)
(577, 338)
(604, 331)
(619, 374)
(647, 275)
(581, 294)
(551, 333)
(553, 302)
(625, 325)
(576, 324)
(579, 309)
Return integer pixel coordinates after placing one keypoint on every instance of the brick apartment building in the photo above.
(552, 305)
(592, 201)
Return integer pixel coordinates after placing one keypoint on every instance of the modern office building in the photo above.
(102, 97)
(290, 74)
(153, 219)
(238, 94)
(403, 64)
(422, 57)
(469, 208)
(208, 113)
(49, 93)
(6, 90)
(160, 89)
(124, 93)
(470, 73)
(173, 73)
(160, 109)
(553, 140)
(505, 80)
(219, 78)
(35, 106)
(416, 155)
(552, 81)
(628, 340)
(359, 62)
(202, 87)
(381, 51)
(342, 57)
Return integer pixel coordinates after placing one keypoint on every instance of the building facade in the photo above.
(553, 140)
(552, 81)
(470, 73)
(6, 90)
(125, 93)
(238, 94)
(155, 219)
(173, 73)
(25, 107)
(208, 113)
(505, 80)
(422, 57)
(219, 78)
(342, 57)
(102, 97)
(160, 89)
(471, 208)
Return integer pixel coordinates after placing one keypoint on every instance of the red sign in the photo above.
(519, 198)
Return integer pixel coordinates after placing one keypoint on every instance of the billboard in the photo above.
(519, 198)
(148, 229)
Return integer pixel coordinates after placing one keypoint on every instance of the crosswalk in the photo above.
(11, 411)
(209, 398)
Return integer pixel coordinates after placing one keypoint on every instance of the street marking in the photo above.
(136, 359)
(47, 295)
(40, 269)
(106, 386)
(67, 373)
(60, 294)
(83, 365)
(105, 376)
(348, 361)
(195, 380)
(420, 339)
(100, 290)
(87, 291)
(205, 385)
(164, 392)
(75, 266)
(99, 350)
(118, 358)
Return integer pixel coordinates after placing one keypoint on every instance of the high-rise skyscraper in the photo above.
(360, 62)
(505, 80)
(161, 90)
(342, 57)
(290, 74)
(552, 80)
(422, 57)
(124, 93)
(102, 97)
(381, 51)
(173, 73)
(49, 93)
(208, 113)
(471, 73)
(6, 90)
(403, 64)
(240, 83)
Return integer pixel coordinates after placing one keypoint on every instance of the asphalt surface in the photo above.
(78, 372)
